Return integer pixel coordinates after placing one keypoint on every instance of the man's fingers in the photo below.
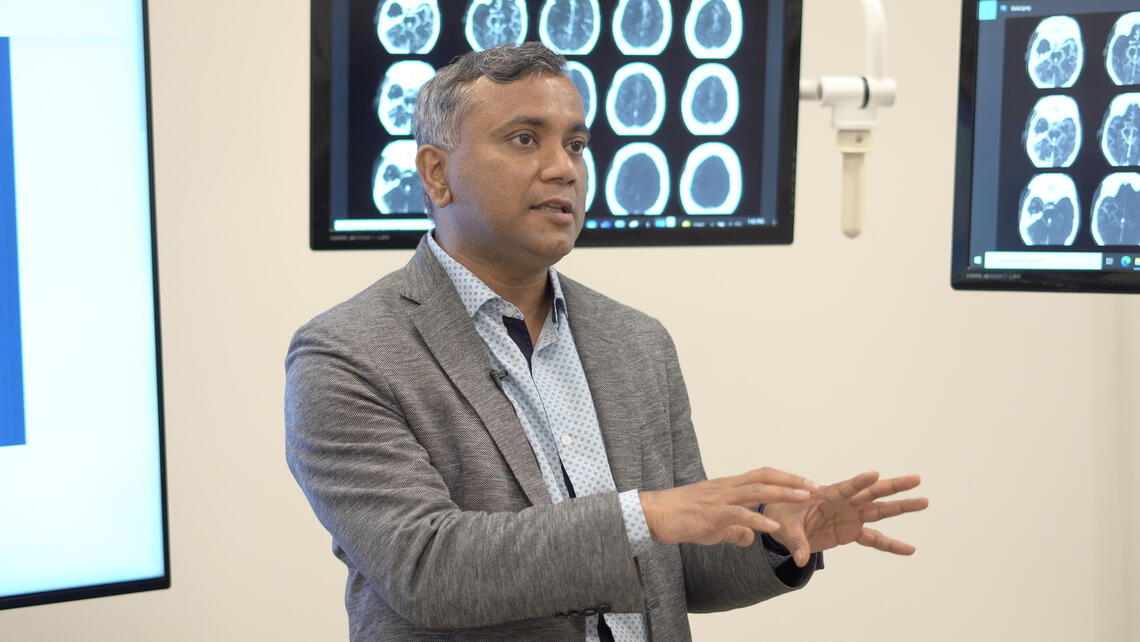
(798, 544)
(740, 536)
(793, 538)
(772, 477)
(716, 510)
(752, 520)
(739, 526)
(882, 510)
(886, 488)
(874, 539)
(845, 490)
(900, 484)
(753, 494)
(801, 557)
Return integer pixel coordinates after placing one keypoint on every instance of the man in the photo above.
(501, 453)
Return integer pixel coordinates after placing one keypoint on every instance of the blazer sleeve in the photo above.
(723, 576)
(375, 488)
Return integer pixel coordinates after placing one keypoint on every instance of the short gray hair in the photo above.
(444, 100)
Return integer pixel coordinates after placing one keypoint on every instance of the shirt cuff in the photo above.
(636, 528)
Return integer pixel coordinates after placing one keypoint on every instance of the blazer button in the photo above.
(604, 608)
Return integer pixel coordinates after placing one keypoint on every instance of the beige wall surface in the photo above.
(827, 358)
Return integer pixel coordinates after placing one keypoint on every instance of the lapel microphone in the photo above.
(497, 376)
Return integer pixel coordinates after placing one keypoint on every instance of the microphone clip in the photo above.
(497, 376)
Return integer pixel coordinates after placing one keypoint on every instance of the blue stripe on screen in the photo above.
(12, 432)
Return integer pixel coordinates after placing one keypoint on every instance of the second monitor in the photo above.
(692, 108)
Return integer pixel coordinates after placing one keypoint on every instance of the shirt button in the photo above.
(566, 440)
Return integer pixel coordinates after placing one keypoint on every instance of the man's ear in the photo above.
(431, 163)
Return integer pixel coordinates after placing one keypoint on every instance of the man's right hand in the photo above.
(722, 509)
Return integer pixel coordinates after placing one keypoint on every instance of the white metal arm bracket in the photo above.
(855, 102)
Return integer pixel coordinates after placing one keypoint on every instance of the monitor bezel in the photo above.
(163, 581)
(321, 116)
(961, 276)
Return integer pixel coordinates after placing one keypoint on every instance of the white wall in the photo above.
(826, 358)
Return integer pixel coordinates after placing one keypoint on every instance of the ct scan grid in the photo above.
(666, 89)
(1071, 133)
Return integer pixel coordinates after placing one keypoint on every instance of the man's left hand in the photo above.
(836, 515)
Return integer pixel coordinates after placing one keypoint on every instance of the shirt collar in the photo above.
(475, 294)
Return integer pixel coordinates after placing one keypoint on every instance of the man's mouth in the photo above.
(556, 205)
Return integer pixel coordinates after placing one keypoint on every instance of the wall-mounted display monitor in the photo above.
(82, 491)
(1047, 192)
(691, 104)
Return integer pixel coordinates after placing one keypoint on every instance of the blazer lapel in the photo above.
(618, 403)
(449, 333)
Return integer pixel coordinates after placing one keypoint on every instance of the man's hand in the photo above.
(722, 509)
(836, 515)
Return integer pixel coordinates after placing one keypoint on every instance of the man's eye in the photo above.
(578, 147)
(525, 139)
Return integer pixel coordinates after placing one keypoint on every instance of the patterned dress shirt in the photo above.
(547, 387)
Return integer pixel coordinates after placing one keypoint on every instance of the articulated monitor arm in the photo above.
(855, 102)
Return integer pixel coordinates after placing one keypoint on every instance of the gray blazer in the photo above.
(414, 460)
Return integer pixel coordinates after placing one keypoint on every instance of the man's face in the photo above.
(517, 177)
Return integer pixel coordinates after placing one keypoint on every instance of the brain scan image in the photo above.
(1049, 211)
(713, 28)
(1056, 53)
(635, 103)
(490, 23)
(396, 99)
(1120, 133)
(711, 182)
(638, 180)
(711, 100)
(1122, 56)
(570, 27)
(1116, 210)
(1053, 133)
(583, 79)
(591, 177)
(642, 27)
(396, 187)
(408, 26)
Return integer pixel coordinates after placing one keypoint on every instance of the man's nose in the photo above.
(560, 164)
